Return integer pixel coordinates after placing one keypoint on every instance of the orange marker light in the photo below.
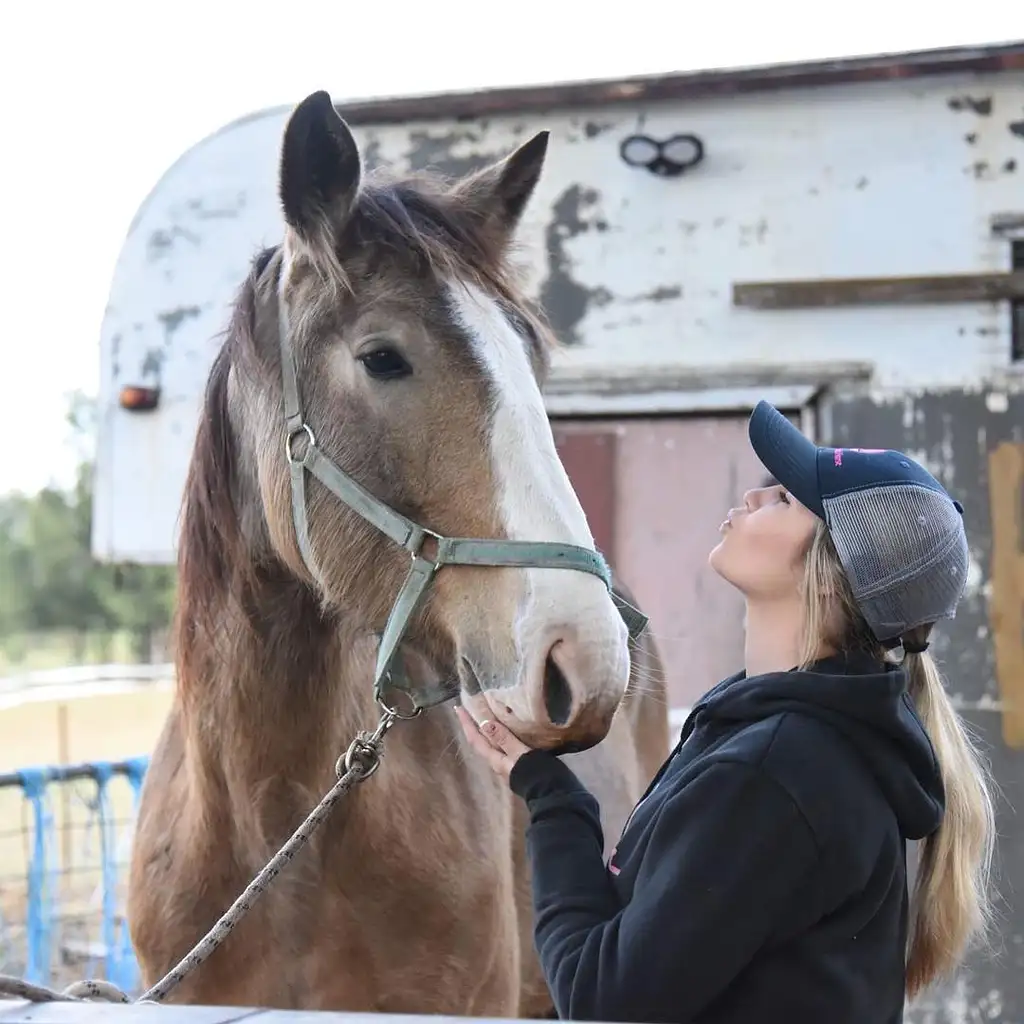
(139, 399)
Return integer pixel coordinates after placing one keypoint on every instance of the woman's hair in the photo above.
(951, 907)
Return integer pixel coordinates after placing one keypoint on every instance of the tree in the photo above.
(48, 577)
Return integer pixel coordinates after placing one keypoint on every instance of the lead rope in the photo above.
(356, 765)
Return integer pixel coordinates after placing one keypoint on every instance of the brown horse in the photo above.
(392, 308)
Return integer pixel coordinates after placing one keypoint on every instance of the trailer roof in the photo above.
(685, 85)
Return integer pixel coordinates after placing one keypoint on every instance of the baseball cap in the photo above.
(898, 533)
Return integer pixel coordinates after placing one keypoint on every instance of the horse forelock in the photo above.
(417, 229)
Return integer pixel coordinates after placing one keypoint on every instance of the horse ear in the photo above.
(320, 169)
(500, 192)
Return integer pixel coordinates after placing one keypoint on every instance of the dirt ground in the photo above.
(104, 726)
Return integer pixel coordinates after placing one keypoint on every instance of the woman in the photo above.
(763, 875)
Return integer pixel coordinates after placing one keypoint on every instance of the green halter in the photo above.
(415, 539)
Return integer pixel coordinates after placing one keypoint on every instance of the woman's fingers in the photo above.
(476, 738)
(504, 739)
(492, 741)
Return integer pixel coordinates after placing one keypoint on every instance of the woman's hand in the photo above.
(493, 742)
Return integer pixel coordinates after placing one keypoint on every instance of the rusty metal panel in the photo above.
(655, 491)
(676, 480)
(588, 452)
(1006, 609)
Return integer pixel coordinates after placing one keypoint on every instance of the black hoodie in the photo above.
(763, 875)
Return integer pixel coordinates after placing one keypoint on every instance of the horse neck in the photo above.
(272, 688)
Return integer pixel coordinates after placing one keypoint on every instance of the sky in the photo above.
(99, 98)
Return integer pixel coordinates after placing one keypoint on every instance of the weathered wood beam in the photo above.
(1006, 605)
(868, 291)
(1007, 223)
(20, 1012)
(748, 374)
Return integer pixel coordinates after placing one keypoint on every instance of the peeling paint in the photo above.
(162, 241)
(565, 299)
(152, 363)
(115, 352)
(663, 293)
(952, 432)
(635, 272)
(439, 151)
(756, 232)
(199, 209)
(172, 319)
(978, 105)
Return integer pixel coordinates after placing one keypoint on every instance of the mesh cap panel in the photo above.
(904, 550)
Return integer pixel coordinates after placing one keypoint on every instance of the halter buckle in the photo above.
(289, 443)
(414, 545)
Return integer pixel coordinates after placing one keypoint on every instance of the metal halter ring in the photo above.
(418, 539)
(289, 441)
(364, 751)
(396, 713)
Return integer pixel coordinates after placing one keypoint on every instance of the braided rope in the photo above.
(358, 763)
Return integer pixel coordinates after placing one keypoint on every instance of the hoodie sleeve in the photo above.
(726, 858)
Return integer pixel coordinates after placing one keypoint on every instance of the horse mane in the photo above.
(413, 221)
(209, 543)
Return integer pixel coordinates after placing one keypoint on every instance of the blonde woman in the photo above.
(763, 875)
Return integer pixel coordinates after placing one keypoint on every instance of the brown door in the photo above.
(655, 491)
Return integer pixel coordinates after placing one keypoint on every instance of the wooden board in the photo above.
(20, 1012)
(1006, 604)
(873, 291)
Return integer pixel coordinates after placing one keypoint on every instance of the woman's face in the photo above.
(764, 543)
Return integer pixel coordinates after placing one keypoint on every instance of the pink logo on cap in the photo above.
(837, 456)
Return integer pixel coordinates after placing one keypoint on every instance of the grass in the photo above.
(99, 727)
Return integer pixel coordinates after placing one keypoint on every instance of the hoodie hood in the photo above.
(867, 702)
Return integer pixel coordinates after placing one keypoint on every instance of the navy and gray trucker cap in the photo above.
(899, 535)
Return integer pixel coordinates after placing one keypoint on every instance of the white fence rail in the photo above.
(76, 681)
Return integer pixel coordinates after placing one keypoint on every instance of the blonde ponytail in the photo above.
(950, 906)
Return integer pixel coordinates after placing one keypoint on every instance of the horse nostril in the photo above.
(557, 695)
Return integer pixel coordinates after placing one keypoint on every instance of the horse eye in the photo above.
(385, 364)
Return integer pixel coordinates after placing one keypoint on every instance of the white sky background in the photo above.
(99, 97)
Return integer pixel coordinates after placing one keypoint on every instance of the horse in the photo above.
(377, 393)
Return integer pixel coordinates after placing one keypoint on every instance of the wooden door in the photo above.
(655, 491)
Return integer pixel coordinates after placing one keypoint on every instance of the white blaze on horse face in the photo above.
(537, 503)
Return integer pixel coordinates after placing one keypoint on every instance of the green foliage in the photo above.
(49, 581)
